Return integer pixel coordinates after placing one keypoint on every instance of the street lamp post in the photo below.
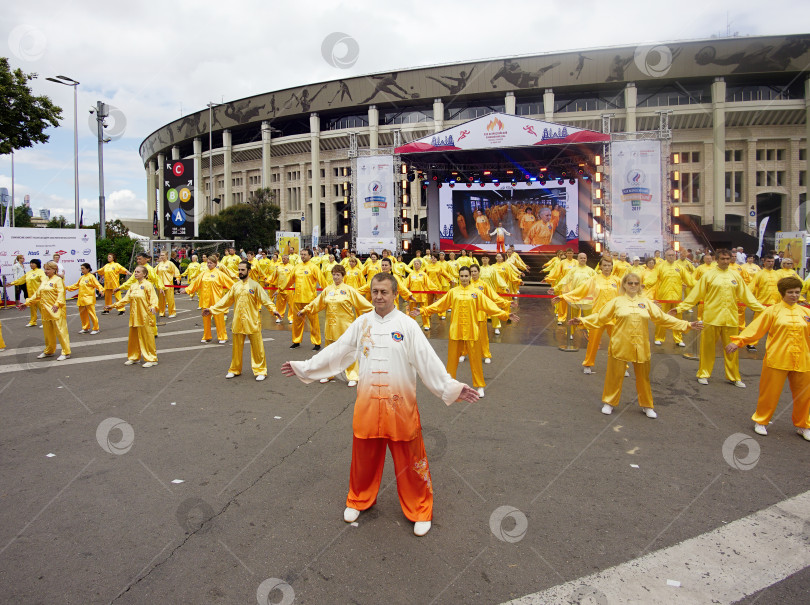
(210, 204)
(102, 111)
(64, 80)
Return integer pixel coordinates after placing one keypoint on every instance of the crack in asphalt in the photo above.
(227, 505)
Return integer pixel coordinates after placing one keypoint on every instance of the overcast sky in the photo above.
(158, 61)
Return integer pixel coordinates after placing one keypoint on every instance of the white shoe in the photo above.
(44, 355)
(352, 383)
(607, 409)
(703, 381)
(420, 528)
(260, 377)
(222, 342)
(149, 364)
(41, 326)
(230, 375)
(627, 373)
(278, 321)
(94, 331)
(62, 357)
(130, 362)
(206, 340)
(324, 380)
(30, 325)
(760, 429)
(649, 412)
(739, 384)
(497, 330)
(173, 315)
(487, 360)
(350, 515)
(442, 318)
(681, 344)
(587, 370)
(658, 342)
(462, 358)
(480, 391)
(559, 323)
(804, 433)
(427, 328)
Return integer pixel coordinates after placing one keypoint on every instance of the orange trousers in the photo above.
(499, 247)
(414, 485)
(770, 388)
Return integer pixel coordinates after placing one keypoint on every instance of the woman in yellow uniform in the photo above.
(466, 303)
(212, 284)
(326, 268)
(630, 342)
(401, 269)
(437, 276)
(110, 273)
(417, 283)
(143, 304)
(343, 305)
(489, 292)
(86, 301)
(491, 275)
(787, 356)
(32, 280)
(50, 296)
(354, 274)
(167, 272)
(282, 281)
(192, 269)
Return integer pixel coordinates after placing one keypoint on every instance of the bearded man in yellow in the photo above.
(667, 279)
(307, 279)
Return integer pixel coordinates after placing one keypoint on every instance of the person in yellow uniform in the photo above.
(50, 296)
(307, 277)
(167, 272)
(763, 287)
(491, 275)
(143, 302)
(192, 269)
(787, 269)
(466, 303)
(282, 281)
(32, 280)
(452, 265)
(343, 305)
(402, 291)
(667, 280)
(86, 301)
(550, 265)
(2, 342)
(256, 272)
(657, 257)
(720, 289)
(212, 283)
(557, 275)
(110, 273)
(231, 262)
(483, 332)
(401, 269)
(630, 342)
(354, 273)
(465, 260)
(142, 260)
(417, 256)
(596, 292)
(514, 258)
(787, 357)
(326, 268)
(437, 276)
(707, 263)
(417, 283)
(247, 297)
(372, 266)
(573, 278)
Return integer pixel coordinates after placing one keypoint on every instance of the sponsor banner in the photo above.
(75, 246)
(376, 204)
(288, 242)
(790, 244)
(636, 197)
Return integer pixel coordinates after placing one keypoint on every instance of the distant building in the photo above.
(45, 214)
(27, 205)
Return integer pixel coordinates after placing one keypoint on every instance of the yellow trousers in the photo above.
(496, 323)
(741, 317)
(433, 298)
(141, 343)
(257, 360)
(614, 377)
(56, 329)
(661, 331)
(108, 296)
(708, 338)
(166, 299)
(483, 341)
(219, 322)
(33, 310)
(298, 325)
(2, 342)
(284, 303)
(594, 338)
(455, 348)
(353, 371)
(770, 388)
(87, 313)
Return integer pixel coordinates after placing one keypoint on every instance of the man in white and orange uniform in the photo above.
(392, 350)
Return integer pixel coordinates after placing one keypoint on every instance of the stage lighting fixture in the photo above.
(452, 184)
(487, 173)
(572, 181)
(597, 177)
(560, 181)
(597, 211)
(471, 178)
(527, 176)
(435, 177)
(676, 211)
(425, 184)
(458, 179)
(404, 168)
(563, 174)
(514, 182)
(542, 182)
(482, 184)
(676, 246)
(676, 158)
(440, 185)
(597, 160)
(469, 184)
(510, 172)
(496, 182)
(597, 193)
(345, 214)
(598, 247)
(406, 245)
(676, 229)
(411, 177)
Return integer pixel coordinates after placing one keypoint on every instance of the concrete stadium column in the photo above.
(548, 104)
(284, 201)
(750, 176)
(438, 115)
(719, 153)
(267, 139)
(302, 199)
(161, 188)
(791, 200)
(806, 166)
(509, 103)
(199, 192)
(329, 225)
(373, 127)
(227, 159)
(150, 189)
(630, 101)
(315, 161)
(175, 153)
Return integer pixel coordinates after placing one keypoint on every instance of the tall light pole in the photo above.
(102, 111)
(71, 82)
(211, 158)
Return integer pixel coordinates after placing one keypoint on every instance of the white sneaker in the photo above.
(804, 433)
(627, 373)
(442, 318)
(462, 358)
(649, 412)
(480, 391)
(497, 330)
(130, 362)
(278, 321)
(260, 377)
(149, 364)
(173, 315)
(420, 528)
(352, 383)
(324, 380)
(222, 342)
(350, 515)
(587, 370)
(62, 357)
(658, 342)
(681, 344)
(83, 331)
(206, 340)
(230, 375)
(427, 328)
(607, 409)
(760, 429)
(739, 384)
(94, 331)
(487, 360)
(44, 355)
(703, 381)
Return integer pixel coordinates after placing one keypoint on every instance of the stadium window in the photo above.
(780, 178)
(760, 155)
(769, 155)
(760, 178)
(802, 155)
(733, 187)
(780, 155)
(802, 178)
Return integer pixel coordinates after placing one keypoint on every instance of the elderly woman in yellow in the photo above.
(110, 273)
(143, 302)
(343, 305)
(32, 280)
(438, 279)
(192, 270)
(417, 284)
(51, 300)
(326, 268)
(467, 303)
(212, 284)
(86, 301)
(596, 292)
(489, 292)
(354, 273)
(630, 341)
(490, 274)
(787, 356)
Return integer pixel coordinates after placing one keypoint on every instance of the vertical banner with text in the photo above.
(178, 205)
(375, 204)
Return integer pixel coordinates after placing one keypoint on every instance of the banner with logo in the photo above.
(75, 246)
(636, 197)
(376, 205)
(288, 242)
(178, 205)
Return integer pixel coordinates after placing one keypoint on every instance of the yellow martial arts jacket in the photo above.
(142, 300)
(110, 273)
(749, 272)
(354, 277)
(437, 276)
(343, 305)
(87, 286)
(32, 279)
(192, 271)
(232, 262)
(720, 291)
(630, 340)
(420, 258)
(211, 284)
(283, 277)
(668, 280)
(509, 274)
(247, 298)
(326, 270)
(493, 277)
(596, 292)
(540, 233)
(686, 265)
(561, 269)
(51, 292)
(620, 269)
(573, 279)
(788, 330)
(466, 302)
(702, 270)
(167, 271)
(515, 259)
(400, 269)
(786, 273)
(763, 287)
(417, 280)
(489, 292)
(152, 277)
(307, 278)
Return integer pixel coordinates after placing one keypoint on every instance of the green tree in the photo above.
(21, 218)
(251, 225)
(59, 222)
(23, 116)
